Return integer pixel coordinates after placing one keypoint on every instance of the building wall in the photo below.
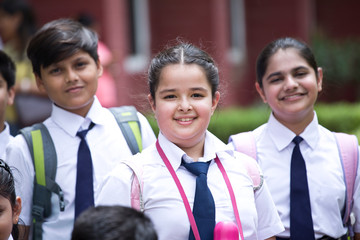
(206, 23)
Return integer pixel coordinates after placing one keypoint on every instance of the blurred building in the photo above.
(233, 31)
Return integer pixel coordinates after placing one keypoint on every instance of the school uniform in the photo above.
(107, 146)
(324, 172)
(162, 200)
(5, 138)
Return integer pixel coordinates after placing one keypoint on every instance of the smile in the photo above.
(293, 96)
(184, 119)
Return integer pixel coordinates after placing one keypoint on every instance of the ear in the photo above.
(16, 210)
(152, 103)
(11, 96)
(99, 68)
(215, 101)
(40, 83)
(260, 92)
(319, 79)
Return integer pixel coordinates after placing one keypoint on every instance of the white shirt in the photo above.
(324, 170)
(107, 146)
(5, 138)
(164, 205)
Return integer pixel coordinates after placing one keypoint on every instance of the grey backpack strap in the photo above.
(44, 158)
(128, 121)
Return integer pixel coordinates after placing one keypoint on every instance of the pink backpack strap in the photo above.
(136, 186)
(348, 150)
(244, 142)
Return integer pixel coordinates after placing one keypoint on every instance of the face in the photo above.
(183, 104)
(290, 86)
(9, 25)
(8, 216)
(71, 84)
(6, 98)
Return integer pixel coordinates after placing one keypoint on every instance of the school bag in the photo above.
(137, 184)
(44, 158)
(349, 154)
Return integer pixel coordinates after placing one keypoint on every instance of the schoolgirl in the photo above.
(289, 80)
(183, 82)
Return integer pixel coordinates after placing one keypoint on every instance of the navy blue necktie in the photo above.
(301, 223)
(84, 193)
(204, 205)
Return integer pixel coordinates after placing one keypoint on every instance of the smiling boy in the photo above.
(66, 66)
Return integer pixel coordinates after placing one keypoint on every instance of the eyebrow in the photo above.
(192, 89)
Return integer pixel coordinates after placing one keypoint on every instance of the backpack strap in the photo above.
(44, 158)
(349, 155)
(136, 185)
(128, 121)
(244, 142)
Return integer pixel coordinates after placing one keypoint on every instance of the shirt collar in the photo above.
(62, 118)
(282, 136)
(212, 147)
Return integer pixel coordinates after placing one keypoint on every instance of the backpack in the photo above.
(44, 158)
(137, 183)
(348, 152)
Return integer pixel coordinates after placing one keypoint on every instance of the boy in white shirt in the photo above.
(66, 66)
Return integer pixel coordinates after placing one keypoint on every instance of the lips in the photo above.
(293, 96)
(74, 89)
(185, 119)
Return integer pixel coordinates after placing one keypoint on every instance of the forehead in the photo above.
(183, 76)
(285, 60)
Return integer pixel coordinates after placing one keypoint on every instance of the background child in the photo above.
(10, 204)
(65, 63)
(7, 94)
(113, 222)
(288, 80)
(183, 83)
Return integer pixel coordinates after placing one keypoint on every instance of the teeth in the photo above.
(185, 119)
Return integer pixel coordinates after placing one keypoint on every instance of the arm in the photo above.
(272, 238)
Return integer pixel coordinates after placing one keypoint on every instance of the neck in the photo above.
(298, 124)
(196, 151)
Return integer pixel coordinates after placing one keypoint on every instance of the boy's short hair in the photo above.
(113, 222)
(58, 40)
(7, 69)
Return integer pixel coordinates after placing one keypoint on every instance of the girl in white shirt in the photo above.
(289, 81)
(183, 82)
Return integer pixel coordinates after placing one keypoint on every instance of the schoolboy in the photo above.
(66, 66)
(7, 95)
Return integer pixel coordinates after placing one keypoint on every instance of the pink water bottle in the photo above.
(226, 231)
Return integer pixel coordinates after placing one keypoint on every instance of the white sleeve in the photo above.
(269, 223)
(20, 161)
(147, 133)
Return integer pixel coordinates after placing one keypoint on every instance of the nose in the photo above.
(184, 105)
(290, 83)
(71, 75)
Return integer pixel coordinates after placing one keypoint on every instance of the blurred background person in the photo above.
(17, 25)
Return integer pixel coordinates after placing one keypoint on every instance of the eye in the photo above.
(55, 71)
(169, 96)
(81, 64)
(275, 80)
(197, 95)
(301, 74)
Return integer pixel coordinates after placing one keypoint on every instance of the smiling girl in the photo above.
(183, 82)
(289, 80)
